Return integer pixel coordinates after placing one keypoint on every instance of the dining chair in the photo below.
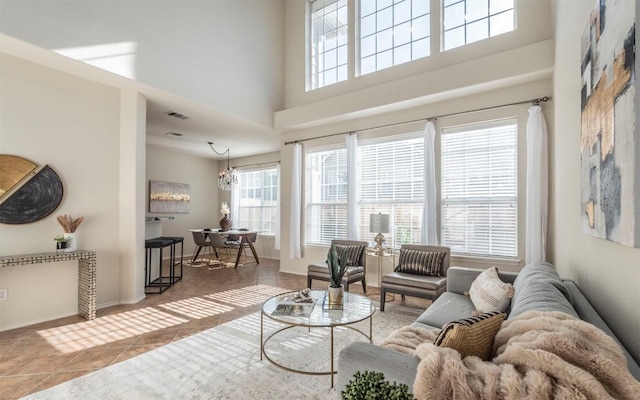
(219, 242)
(200, 239)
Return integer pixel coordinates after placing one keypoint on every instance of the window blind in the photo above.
(391, 181)
(326, 196)
(479, 172)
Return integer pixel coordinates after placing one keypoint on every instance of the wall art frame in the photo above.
(169, 197)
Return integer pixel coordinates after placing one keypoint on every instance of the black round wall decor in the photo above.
(35, 199)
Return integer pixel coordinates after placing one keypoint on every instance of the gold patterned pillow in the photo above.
(472, 336)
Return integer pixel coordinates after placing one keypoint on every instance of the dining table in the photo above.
(243, 234)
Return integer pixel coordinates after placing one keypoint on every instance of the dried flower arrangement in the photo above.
(69, 225)
(224, 208)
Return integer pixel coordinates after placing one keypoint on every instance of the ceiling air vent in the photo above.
(176, 134)
(176, 115)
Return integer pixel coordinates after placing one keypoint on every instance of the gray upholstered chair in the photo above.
(356, 271)
(410, 275)
(219, 242)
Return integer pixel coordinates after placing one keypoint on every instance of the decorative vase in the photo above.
(61, 246)
(226, 223)
(336, 295)
(72, 245)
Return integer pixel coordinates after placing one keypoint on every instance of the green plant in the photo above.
(61, 238)
(337, 267)
(371, 385)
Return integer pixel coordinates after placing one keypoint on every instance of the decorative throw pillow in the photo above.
(472, 336)
(489, 293)
(420, 262)
(351, 252)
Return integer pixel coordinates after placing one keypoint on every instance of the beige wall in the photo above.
(201, 174)
(71, 124)
(608, 273)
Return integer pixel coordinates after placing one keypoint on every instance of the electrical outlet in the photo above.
(4, 294)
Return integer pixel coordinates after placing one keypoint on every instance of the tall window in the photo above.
(328, 47)
(326, 196)
(479, 189)
(258, 195)
(392, 182)
(392, 33)
(467, 21)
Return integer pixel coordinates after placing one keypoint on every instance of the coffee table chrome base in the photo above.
(332, 371)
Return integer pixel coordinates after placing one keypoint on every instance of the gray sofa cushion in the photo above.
(538, 287)
(448, 307)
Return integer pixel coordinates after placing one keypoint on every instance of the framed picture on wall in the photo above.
(169, 197)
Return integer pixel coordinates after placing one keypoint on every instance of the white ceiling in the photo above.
(205, 124)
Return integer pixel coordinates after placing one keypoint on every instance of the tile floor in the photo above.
(37, 357)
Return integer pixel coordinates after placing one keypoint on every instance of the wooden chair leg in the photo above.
(309, 282)
(364, 285)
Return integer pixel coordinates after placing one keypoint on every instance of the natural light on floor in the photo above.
(108, 329)
(115, 327)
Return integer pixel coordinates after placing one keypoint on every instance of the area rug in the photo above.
(210, 264)
(224, 363)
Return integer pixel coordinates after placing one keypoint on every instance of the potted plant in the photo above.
(337, 268)
(372, 385)
(69, 225)
(62, 243)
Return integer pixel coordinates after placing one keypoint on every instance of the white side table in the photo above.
(387, 253)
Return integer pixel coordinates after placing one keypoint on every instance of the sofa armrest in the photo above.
(459, 279)
(362, 356)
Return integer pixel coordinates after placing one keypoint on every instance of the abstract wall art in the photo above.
(610, 147)
(169, 197)
(28, 192)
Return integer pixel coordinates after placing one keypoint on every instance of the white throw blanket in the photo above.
(538, 355)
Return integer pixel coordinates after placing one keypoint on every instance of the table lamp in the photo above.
(379, 223)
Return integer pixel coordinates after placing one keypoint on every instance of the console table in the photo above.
(86, 274)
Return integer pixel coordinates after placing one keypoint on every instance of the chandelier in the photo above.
(228, 177)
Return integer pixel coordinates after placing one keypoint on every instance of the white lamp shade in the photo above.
(379, 223)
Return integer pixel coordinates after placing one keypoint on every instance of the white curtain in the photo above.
(277, 238)
(537, 186)
(429, 226)
(234, 206)
(352, 187)
(295, 250)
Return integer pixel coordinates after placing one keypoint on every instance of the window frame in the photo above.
(262, 207)
(395, 31)
(316, 77)
(466, 24)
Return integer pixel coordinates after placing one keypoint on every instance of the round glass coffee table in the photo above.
(355, 308)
